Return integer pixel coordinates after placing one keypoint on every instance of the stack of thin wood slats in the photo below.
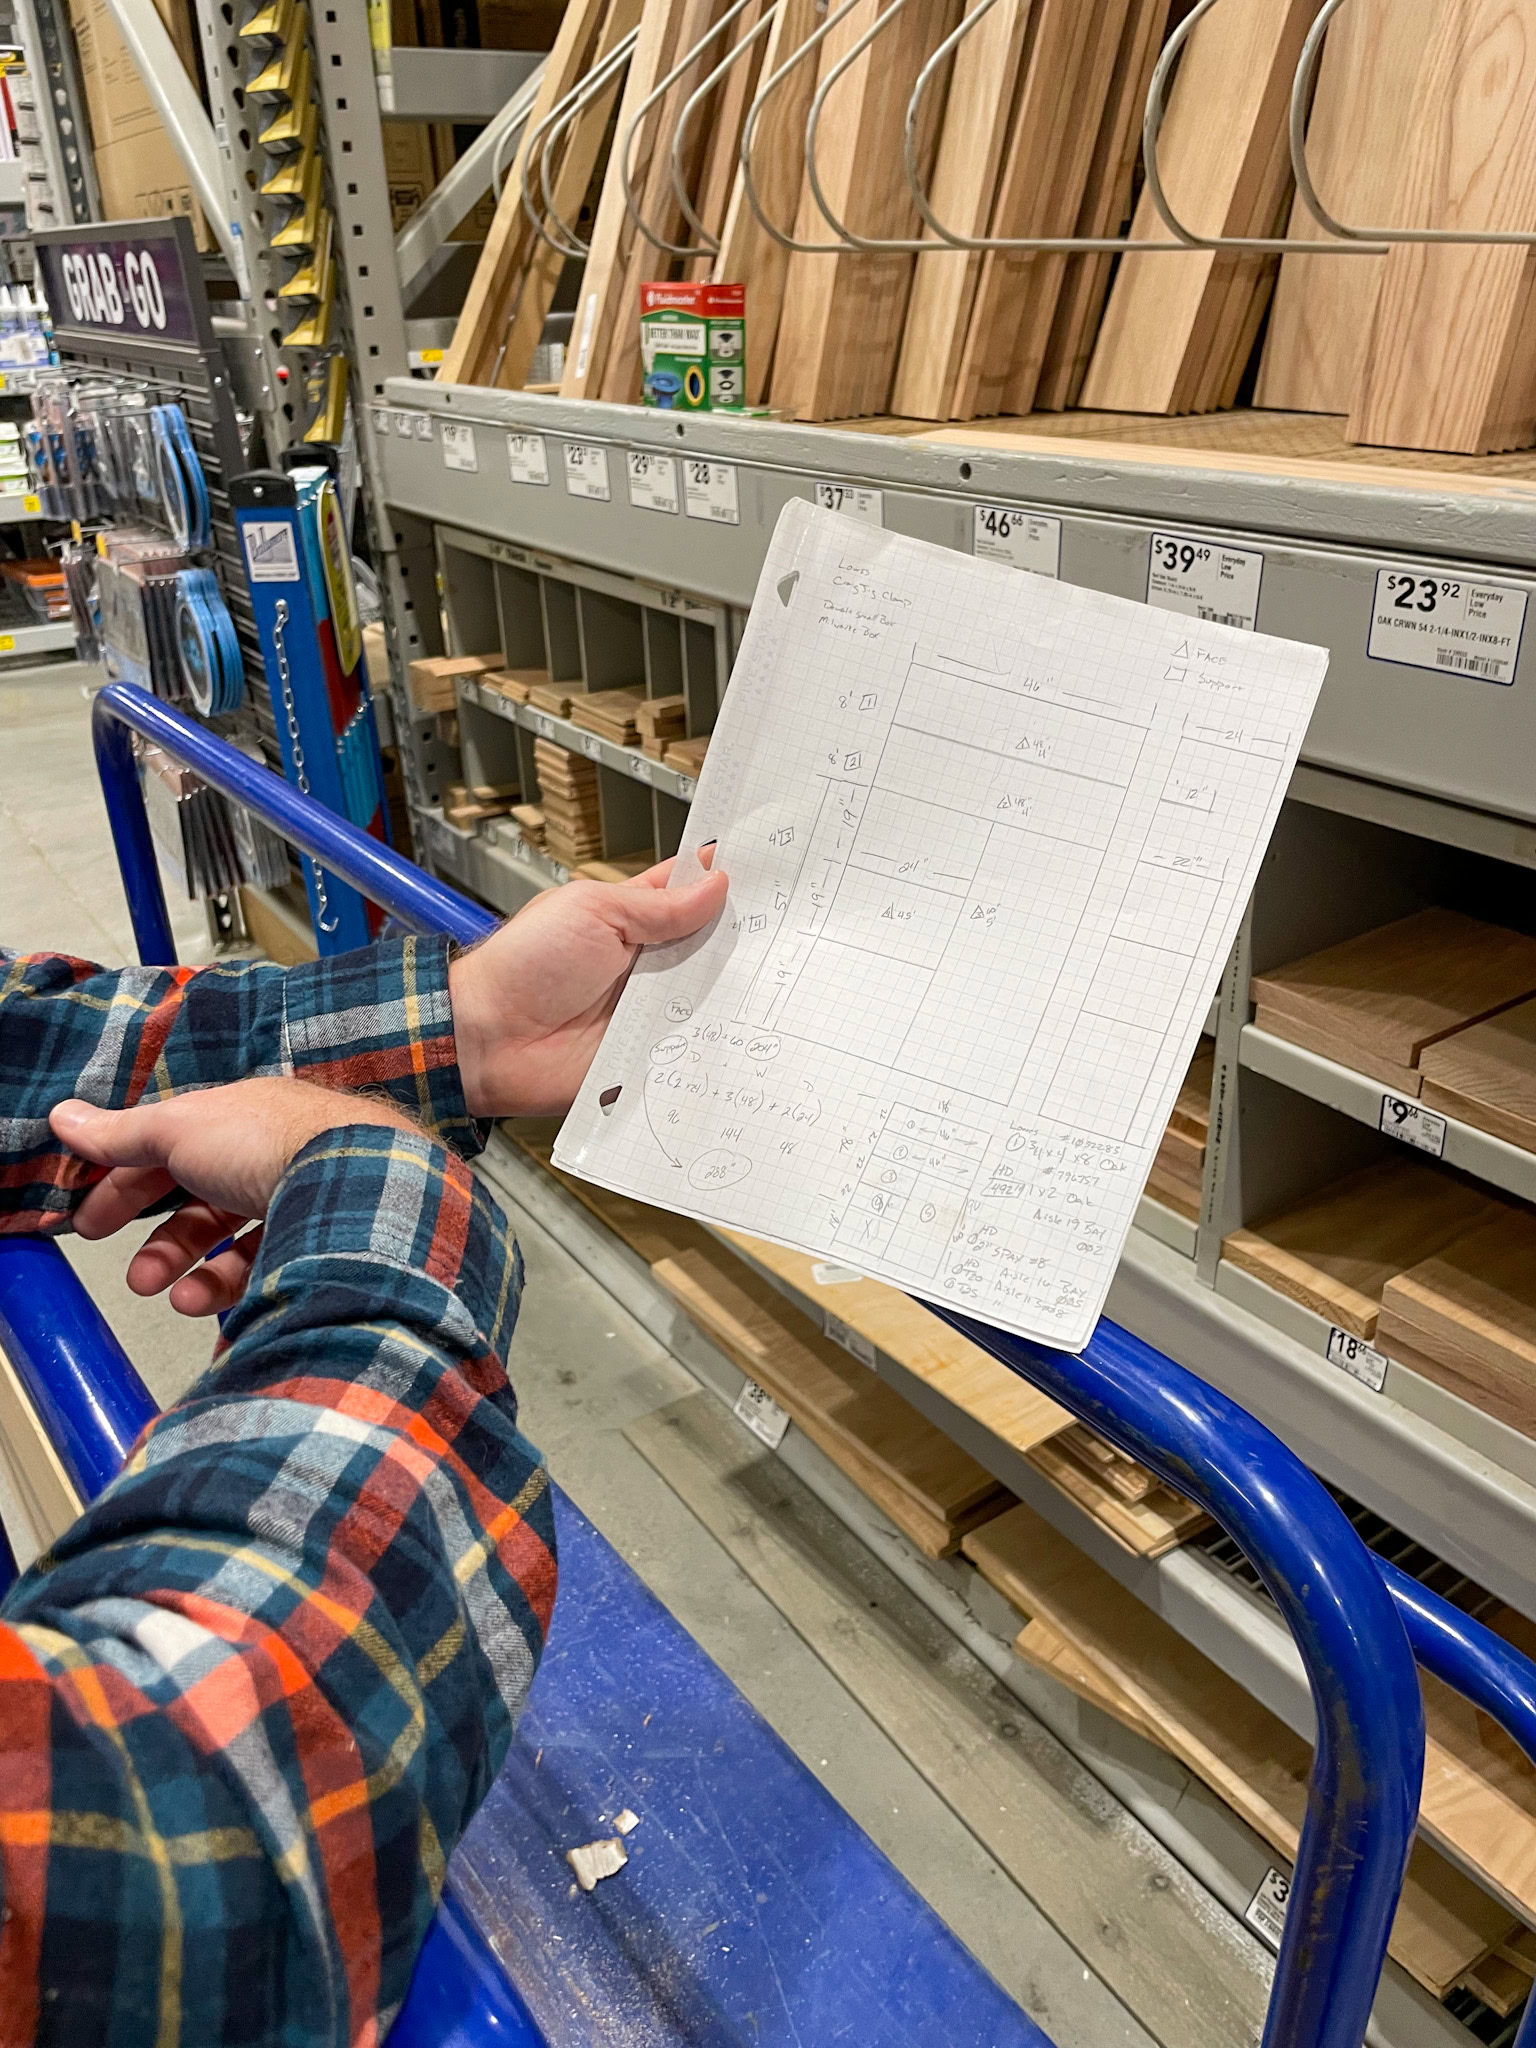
(1032, 130)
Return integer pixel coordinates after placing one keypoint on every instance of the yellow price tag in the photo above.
(433, 355)
(31, 503)
(7, 643)
(2, 380)
(101, 545)
(75, 532)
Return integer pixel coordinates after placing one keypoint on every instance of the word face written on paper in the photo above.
(989, 838)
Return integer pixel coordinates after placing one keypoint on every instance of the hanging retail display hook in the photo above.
(566, 110)
(708, 241)
(749, 136)
(627, 142)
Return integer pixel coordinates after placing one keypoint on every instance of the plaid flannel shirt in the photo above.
(249, 1702)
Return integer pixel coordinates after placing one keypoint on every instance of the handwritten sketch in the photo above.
(989, 838)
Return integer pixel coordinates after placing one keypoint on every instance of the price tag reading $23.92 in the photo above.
(1447, 623)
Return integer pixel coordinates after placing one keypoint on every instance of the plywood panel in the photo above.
(1448, 364)
(1467, 1317)
(1486, 1075)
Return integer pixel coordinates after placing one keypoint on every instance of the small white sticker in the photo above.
(853, 502)
(459, 446)
(584, 346)
(527, 458)
(1412, 1124)
(1204, 580)
(592, 746)
(851, 1340)
(828, 1274)
(709, 490)
(1266, 1909)
(543, 725)
(521, 851)
(686, 786)
(423, 427)
(405, 425)
(1024, 540)
(1447, 623)
(653, 482)
(1360, 1360)
(586, 470)
(761, 1413)
(640, 766)
(560, 871)
(270, 555)
(381, 419)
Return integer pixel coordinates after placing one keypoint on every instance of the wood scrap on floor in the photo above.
(1445, 1924)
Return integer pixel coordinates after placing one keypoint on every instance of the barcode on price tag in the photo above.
(459, 446)
(1204, 580)
(851, 1340)
(1266, 1909)
(709, 490)
(853, 502)
(1412, 1124)
(586, 470)
(1024, 540)
(1360, 1360)
(762, 1414)
(527, 458)
(653, 482)
(1447, 623)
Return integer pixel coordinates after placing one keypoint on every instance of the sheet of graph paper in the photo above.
(989, 838)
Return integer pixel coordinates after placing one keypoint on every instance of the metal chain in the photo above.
(323, 917)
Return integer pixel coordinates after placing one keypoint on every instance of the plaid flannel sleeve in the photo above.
(377, 1019)
(251, 1699)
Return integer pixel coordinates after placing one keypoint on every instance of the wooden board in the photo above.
(1149, 1527)
(1336, 1251)
(1397, 989)
(1050, 151)
(1173, 323)
(748, 253)
(840, 328)
(1049, 1651)
(1467, 1318)
(1486, 1075)
(965, 174)
(827, 1391)
(490, 301)
(1499, 1983)
(722, 136)
(1445, 1924)
(1479, 1791)
(1192, 1105)
(1014, 1411)
(1357, 142)
(1105, 210)
(1347, 1052)
(1449, 361)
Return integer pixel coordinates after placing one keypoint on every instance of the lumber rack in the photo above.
(1353, 1621)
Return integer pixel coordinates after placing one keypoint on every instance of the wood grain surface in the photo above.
(1486, 1075)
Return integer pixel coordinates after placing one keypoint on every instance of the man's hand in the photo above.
(532, 1001)
(228, 1147)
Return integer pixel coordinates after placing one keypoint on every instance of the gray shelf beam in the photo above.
(452, 85)
(624, 760)
(19, 643)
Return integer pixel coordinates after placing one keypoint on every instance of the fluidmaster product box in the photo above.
(693, 346)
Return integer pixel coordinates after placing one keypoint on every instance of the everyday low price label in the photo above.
(586, 470)
(459, 446)
(1360, 1360)
(1266, 1909)
(710, 492)
(1412, 1124)
(527, 458)
(851, 1340)
(762, 1414)
(1445, 623)
(1204, 580)
(653, 482)
(1024, 540)
(853, 502)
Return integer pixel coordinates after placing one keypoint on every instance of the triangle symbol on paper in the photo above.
(786, 586)
(1181, 651)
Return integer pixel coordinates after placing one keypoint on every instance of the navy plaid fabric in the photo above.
(249, 1702)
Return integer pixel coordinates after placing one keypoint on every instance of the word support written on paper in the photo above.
(989, 839)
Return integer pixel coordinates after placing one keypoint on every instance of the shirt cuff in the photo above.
(396, 1227)
(380, 1020)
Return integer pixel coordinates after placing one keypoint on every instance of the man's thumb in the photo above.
(652, 916)
(114, 1137)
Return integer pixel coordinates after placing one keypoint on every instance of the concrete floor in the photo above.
(987, 1816)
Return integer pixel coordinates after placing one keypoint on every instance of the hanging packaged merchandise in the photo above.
(302, 226)
(207, 647)
(80, 562)
(209, 842)
(325, 399)
(136, 586)
(183, 487)
(314, 331)
(272, 22)
(286, 75)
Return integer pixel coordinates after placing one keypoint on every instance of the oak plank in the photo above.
(1486, 1075)
(1467, 1316)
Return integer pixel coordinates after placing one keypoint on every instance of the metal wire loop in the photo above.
(685, 118)
(627, 144)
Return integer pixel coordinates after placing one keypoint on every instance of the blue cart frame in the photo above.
(1358, 1623)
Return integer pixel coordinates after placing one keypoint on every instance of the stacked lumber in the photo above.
(686, 756)
(1376, 1002)
(1127, 1501)
(469, 804)
(515, 684)
(622, 869)
(1486, 1075)
(1178, 1171)
(658, 720)
(610, 714)
(432, 679)
(1336, 1251)
(1466, 1318)
(555, 698)
(529, 820)
(573, 824)
(1096, 1637)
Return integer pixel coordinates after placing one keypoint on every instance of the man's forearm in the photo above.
(379, 1019)
(285, 1650)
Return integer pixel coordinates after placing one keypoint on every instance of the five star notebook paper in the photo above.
(989, 839)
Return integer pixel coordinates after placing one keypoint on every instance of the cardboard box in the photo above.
(693, 346)
(137, 166)
(409, 167)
